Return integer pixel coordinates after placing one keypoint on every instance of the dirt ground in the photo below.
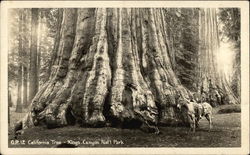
(225, 133)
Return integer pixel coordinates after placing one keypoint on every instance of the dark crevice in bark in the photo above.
(139, 43)
(106, 107)
(112, 29)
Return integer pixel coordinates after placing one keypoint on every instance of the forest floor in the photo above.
(226, 132)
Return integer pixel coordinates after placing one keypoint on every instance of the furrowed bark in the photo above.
(112, 65)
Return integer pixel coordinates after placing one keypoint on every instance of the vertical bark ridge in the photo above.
(118, 85)
(91, 73)
(127, 65)
(112, 35)
(68, 36)
(56, 44)
(102, 74)
(112, 30)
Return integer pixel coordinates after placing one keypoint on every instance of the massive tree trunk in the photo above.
(112, 65)
(236, 39)
(20, 65)
(33, 85)
(212, 82)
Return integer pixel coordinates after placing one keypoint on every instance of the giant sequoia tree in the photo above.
(230, 17)
(212, 82)
(110, 65)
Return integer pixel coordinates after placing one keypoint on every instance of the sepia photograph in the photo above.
(124, 76)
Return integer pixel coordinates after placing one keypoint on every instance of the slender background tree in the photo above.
(26, 35)
(20, 64)
(33, 85)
